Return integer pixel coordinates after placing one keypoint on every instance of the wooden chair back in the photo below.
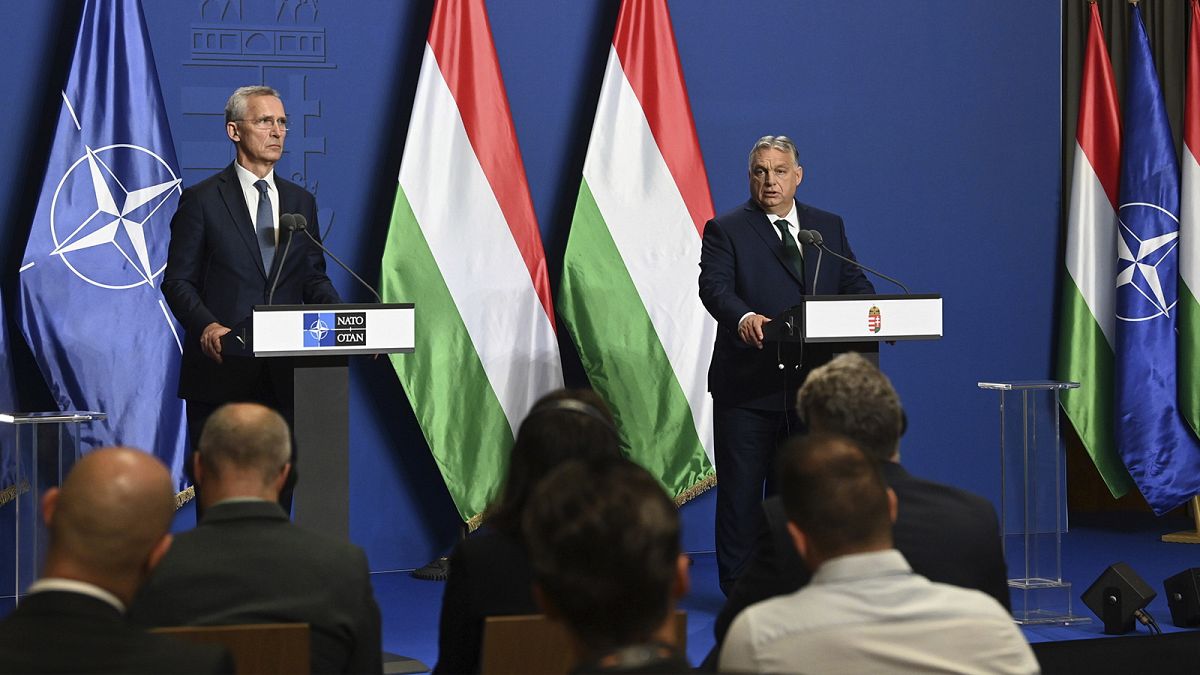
(262, 648)
(536, 645)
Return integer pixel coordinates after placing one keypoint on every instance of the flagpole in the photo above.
(1187, 536)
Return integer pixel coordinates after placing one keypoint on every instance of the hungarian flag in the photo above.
(1159, 449)
(1189, 237)
(629, 287)
(464, 246)
(1087, 334)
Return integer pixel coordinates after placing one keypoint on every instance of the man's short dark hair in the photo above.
(834, 492)
(851, 397)
(247, 436)
(604, 540)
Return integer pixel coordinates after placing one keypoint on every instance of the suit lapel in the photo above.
(761, 225)
(231, 192)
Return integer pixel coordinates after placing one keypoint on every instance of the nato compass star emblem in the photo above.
(105, 221)
(1148, 237)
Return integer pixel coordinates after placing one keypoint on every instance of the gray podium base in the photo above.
(322, 432)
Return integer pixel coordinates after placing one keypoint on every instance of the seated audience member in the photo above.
(604, 541)
(864, 610)
(489, 571)
(247, 563)
(108, 529)
(947, 534)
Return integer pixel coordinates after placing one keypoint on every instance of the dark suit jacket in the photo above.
(247, 563)
(65, 632)
(947, 535)
(215, 273)
(490, 575)
(743, 269)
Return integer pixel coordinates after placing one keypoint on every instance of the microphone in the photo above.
(301, 225)
(287, 223)
(817, 240)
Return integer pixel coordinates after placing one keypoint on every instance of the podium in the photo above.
(1033, 499)
(859, 319)
(45, 446)
(320, 337)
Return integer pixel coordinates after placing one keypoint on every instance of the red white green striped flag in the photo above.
(1088, 316)
(629, 294)
(464, 246)
(1189, 237)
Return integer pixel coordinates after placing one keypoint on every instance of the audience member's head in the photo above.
(851, 397)
(108, 521)
(836, 500)
(604, 541)
(564, 424)
(243, 452)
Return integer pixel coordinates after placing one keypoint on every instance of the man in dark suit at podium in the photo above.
(223, 260)
(752, 268)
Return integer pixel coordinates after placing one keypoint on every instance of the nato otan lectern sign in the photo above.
(305, 330)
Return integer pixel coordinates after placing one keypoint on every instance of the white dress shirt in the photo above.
(251, 195)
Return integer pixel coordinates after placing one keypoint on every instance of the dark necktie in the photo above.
(790, 249)
(265, 226)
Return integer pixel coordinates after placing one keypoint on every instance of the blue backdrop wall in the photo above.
(932, 127)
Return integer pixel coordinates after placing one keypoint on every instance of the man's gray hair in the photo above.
(246, 436)
(235, 107)
(774, 143)
(851, 397)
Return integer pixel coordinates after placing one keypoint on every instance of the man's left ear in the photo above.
(893, 505)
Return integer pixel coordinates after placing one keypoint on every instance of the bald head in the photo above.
(243, 452)
(109, 515)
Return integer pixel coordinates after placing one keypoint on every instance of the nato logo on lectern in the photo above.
(335, 329)
(107, 220)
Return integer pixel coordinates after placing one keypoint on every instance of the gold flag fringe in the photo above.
(696, 490)
(11, 492)
(184, 497)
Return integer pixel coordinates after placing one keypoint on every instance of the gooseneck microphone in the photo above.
(815, 238)
(301, 225)
(287, 223)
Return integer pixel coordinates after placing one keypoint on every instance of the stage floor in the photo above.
(410, 607)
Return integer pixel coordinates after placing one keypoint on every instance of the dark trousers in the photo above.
(198, 413)
(744, 445)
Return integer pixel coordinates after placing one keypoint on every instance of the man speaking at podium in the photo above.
(223, 260)
(752, 267)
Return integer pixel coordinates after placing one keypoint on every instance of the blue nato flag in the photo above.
(1158, 448)
(90, 306)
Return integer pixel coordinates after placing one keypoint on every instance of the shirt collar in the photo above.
(248, 179)
(871, 565)
(76, 586)
(792, 219)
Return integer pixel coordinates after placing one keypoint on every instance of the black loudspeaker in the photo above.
(1116, 596)
(1183, 596)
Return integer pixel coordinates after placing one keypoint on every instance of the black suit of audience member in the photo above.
(947, 535)
(490, 575)
(490, 572)
(64, 632)
(247, 563)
